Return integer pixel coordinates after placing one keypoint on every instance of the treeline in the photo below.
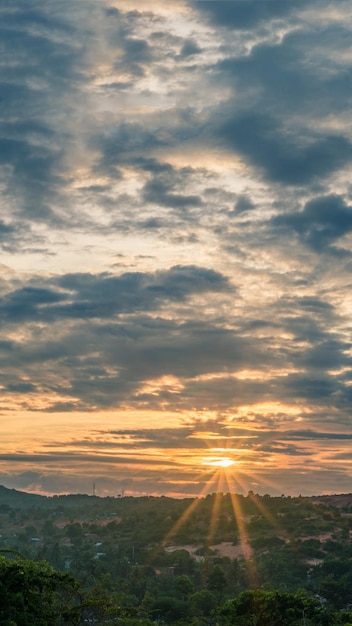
(34, 594)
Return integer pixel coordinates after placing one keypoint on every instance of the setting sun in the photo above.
(225, 462)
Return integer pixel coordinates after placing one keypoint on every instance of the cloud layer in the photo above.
(176, 227)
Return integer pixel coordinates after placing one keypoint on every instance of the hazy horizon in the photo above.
(118, 496)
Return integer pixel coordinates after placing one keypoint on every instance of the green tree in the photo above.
(169, 609)
(272, 608)
(34, 594)
(184, 586)
(203, 603)
(335, 581)
(216, 580)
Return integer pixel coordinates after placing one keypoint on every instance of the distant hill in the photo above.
(340, 500)
(19, 499)
(22, 499)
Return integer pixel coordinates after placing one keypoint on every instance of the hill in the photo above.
(341, 500)
(19, 499)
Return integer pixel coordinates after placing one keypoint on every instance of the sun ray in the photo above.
(217, 502)
(243, 536)
(227, 477)
(176, 527)
(258, 477)
(268, 516)
(182, 520)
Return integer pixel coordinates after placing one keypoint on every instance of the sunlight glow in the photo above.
(219, 462)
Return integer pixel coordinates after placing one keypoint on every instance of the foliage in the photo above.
(34, 594)
(272, 608)
(139, 560)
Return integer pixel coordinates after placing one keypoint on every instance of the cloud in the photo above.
(265, 145)
(190, 48)
(87, 296)
(45, 63)
(271, 117)
(157, 192)
(279, 79)
(243, 14)
(109, 349)
(322, 222)
(175, 231)
(310, 434)
(124, 145)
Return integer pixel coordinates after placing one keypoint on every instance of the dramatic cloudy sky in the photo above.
(176, 230)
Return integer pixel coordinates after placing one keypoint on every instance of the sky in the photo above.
(175, 231)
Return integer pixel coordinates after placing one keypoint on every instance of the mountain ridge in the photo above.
(20, 498)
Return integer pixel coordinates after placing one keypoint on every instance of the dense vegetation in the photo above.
(222, 559)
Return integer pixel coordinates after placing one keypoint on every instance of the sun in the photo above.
(219, 462)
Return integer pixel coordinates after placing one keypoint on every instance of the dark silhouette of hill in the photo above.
(16, 498)
(23, 499)
(339, 500)
(20, 499)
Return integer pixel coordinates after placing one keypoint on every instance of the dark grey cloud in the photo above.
(23, 304)
(110, 367)
(6, 231)
(279, 156)
(134, 354)
(32, 172)
(328, 355)
(140, 438)
(310, 434)
(21, 387)
(244, 14)
(61, 457)
(161, 193)
(318, 390)
(281, 87)
(87, 296)
(216, 435)
(189, 438)
(315, 305)
(137, 55)
(280, 79)
(133, 54)
(125, 144)
(321, 223)
(43, 63)
(102, 358)
(285, 449)
(40, 39)
(243, 204)
(189, 48)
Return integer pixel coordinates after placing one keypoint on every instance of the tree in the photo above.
(272, 608)
(184, 586)
(34, 594)
(203, 602)
(169, 609)
(216, 580)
